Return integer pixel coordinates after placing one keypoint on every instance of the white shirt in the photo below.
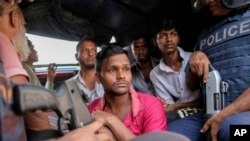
(169, 83)
(95, 93)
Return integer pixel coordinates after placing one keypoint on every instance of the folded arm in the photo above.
(120, 131)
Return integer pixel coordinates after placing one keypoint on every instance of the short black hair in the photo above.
(78, 46)
(167, 24)
(107, 52)
(141, 35)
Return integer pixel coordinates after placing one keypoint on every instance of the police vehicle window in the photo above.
(51, 50)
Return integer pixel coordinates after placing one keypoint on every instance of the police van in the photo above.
(106, 21)
(118, 20)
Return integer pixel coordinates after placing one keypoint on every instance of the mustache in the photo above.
(121, 81)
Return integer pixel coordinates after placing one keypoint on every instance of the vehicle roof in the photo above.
(102, 19)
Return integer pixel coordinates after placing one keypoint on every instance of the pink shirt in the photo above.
(147, 113)
(11, 60)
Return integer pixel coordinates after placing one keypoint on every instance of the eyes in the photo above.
(171, 34)
(88, 51)
(114, 70)
(137, 49)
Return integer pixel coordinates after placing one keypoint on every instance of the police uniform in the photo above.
(227, 45)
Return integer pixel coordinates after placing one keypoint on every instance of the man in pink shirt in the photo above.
(9, 54)
(139, 112)
(12, 33)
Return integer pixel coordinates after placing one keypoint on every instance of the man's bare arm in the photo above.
(241, 104)
(199, 65)
(87, 133)
(193, 104)
(120, 131)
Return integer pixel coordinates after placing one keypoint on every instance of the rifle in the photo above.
(65, 101)
(214, 91)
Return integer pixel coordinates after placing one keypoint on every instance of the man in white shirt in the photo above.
(86, 79)
(169, 79)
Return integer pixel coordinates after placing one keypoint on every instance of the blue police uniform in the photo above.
(227, 45)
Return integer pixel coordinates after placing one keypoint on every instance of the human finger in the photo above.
(193, 70)
(104, 137)
(205, 72)
(163, 102)
(214, 131)
(94, 126)
(200, 69)
(213, 136)
(205, 127)
(196, 67)
(107, 132)
(99, 116)
(194, 61)
(52, 70)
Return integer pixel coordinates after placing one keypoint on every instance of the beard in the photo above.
(88, 66)
(21, 44)
(143, 60)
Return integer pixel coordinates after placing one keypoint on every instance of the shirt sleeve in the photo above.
(11, 61)
(49, 85)
(155, 117)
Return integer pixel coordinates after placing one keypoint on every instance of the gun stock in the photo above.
(65, 101)
(214, 93)
(30, 98)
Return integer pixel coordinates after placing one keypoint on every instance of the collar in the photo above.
(79, 78)
(165, 68)
(136, 103)
(154, 62)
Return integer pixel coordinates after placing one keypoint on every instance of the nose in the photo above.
(91, 52)
(141, 50)
(168, 38)
(120, 75)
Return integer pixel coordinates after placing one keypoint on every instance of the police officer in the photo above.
(226, 46)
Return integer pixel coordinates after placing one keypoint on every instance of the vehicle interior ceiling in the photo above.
(73, 19)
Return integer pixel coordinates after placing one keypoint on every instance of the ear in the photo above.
(154, 42)
(76, 56)
(14, 19)
(98, 77)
